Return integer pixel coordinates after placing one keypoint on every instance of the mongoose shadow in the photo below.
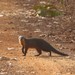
(54, 56)
(39, 44)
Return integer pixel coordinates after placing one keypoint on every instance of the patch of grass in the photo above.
(47, 10)
(62, 1)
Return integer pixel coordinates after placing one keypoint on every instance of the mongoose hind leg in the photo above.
(39, 51)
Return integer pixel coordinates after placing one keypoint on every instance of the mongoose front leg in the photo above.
(23, 49)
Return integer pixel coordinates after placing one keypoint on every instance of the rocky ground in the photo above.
(17, 17)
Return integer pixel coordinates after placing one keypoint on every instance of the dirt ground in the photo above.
(18, 18)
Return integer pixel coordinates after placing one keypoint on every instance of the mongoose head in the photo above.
(20, 39)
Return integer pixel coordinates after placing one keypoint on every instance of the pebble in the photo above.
(37, 30)
(9, 63)
(1, 15)
(25, 30)
(14, 59)
(55, 22)
(4, 58)
(19, 71)
(0, 41)
(58, 73)
(11, 48)
(3, 73)
(58, 45)
(42, 35)
(32, 72)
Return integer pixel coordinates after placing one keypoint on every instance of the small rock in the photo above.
(4, 58)
(37, 30)
(59, 45)
(3, 73)
(73, 41)
(9, 63)
(26, 30)
(0, 58)
(2, 70)
(14, 59)
(0, 41)
(49, 26)
(42, 35)
(61, 48)
(1, 15)
(24, 21)
(32, 72)
(19, 71)
(55, 22)
(42, 2)
(58, 73)
(68, 57)
(11, 48)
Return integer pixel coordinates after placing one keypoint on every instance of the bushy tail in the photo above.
(58, 52)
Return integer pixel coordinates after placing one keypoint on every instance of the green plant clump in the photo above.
(47, 10)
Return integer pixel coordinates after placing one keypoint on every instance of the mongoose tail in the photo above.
(58, 52)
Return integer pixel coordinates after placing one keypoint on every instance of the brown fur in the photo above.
(39, 44)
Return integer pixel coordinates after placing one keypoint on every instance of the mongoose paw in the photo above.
(24, 55)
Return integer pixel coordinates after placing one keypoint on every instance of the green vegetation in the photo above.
(47, 10)
(62, 1)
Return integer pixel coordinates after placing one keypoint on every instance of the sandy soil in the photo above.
(18, 18)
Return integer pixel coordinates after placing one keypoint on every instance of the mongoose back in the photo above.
(39, 44)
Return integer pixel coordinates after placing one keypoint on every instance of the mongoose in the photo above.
(39, 44)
